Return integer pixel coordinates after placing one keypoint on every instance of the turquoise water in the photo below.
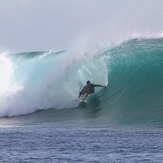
(43, 120)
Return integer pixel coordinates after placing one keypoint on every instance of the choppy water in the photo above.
(76, 144)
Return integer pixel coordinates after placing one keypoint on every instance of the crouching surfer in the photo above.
(88, 89)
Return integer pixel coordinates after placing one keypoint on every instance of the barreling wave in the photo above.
(132, 71)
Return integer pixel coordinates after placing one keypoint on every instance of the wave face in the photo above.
(132, 71)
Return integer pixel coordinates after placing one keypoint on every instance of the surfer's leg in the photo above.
(85, 96)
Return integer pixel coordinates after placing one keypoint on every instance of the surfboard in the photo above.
(83, 97)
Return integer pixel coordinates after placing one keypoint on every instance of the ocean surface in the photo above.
(42, 120)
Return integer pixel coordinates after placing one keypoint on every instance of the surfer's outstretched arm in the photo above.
(100, 86)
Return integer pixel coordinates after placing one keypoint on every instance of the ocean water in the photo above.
(42, 119)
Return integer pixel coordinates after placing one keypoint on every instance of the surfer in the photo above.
(88, 89)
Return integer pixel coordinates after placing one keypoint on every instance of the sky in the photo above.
(43, 25)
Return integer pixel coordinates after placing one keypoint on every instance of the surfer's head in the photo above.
(88, 82)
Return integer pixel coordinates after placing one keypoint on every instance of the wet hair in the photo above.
(88, 82)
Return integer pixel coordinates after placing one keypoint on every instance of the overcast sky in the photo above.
(36, 25)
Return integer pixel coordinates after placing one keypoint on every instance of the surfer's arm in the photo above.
(83, 91)
(80, 94)
(100, 86)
